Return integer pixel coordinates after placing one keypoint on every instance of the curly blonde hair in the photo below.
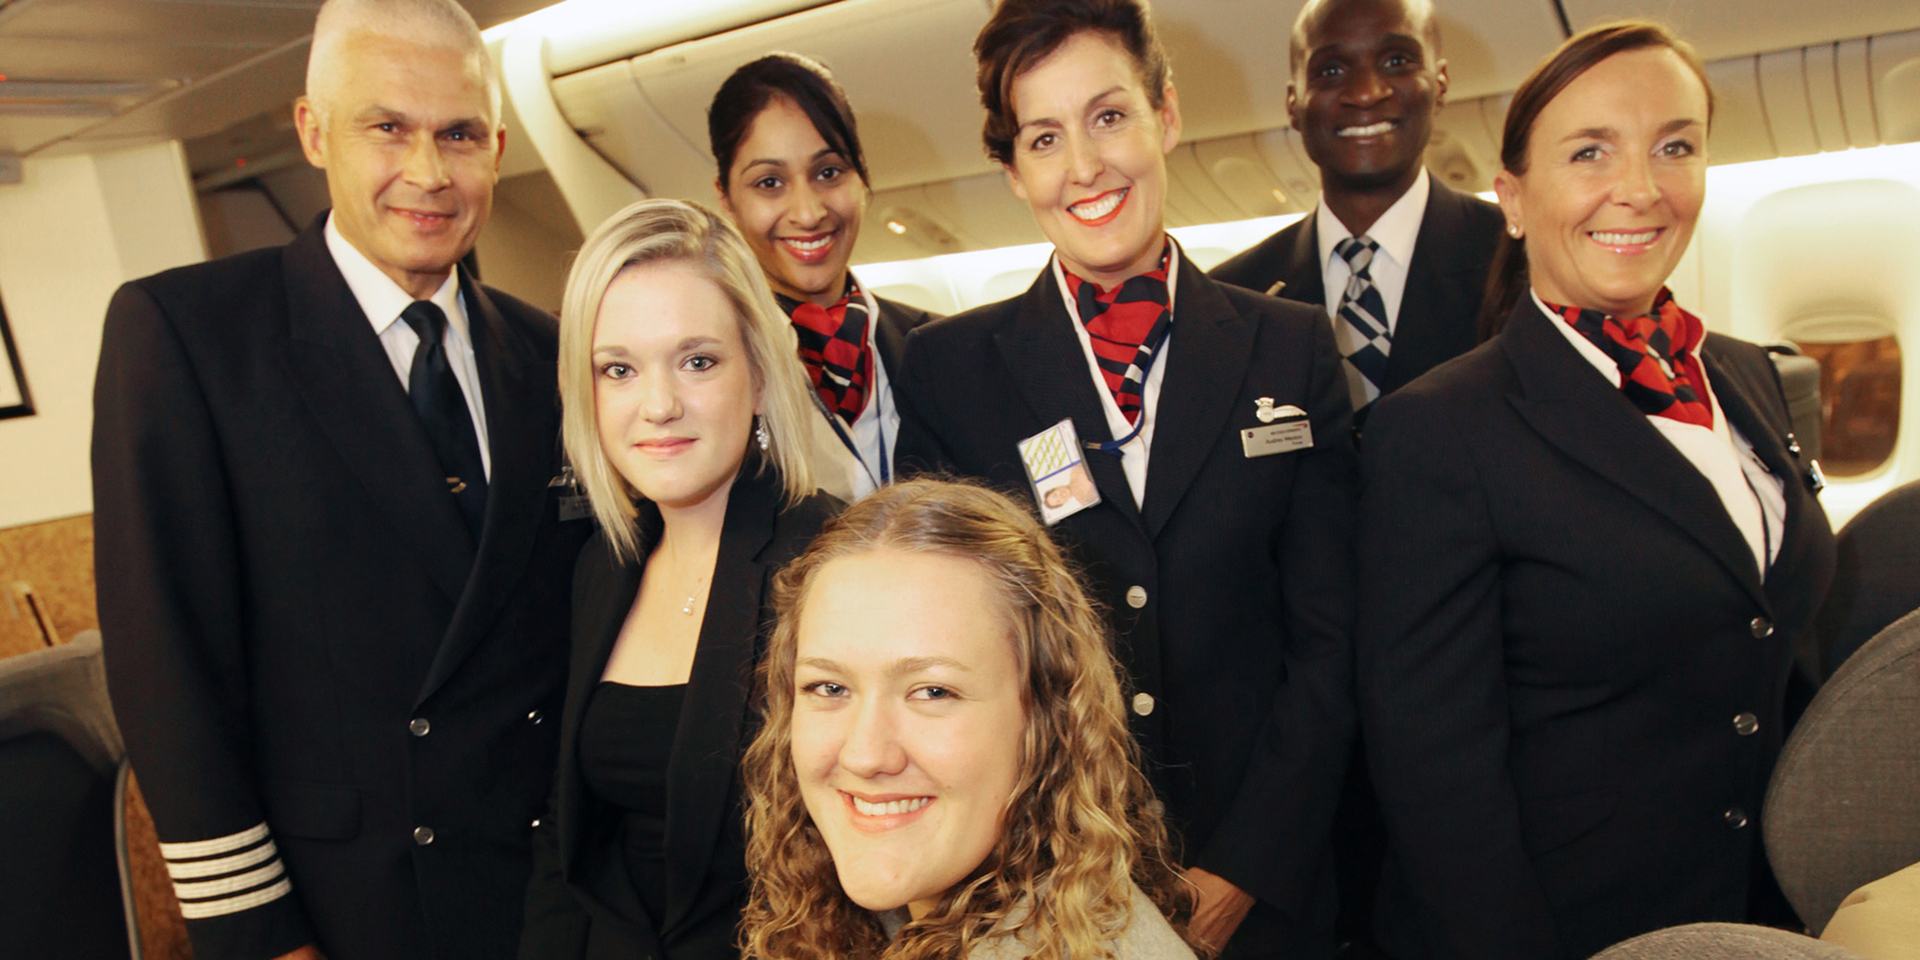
(1082, 827)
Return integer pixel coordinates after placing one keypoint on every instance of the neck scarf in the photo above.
(1658, 357)
(1127, 325)
(835, 349)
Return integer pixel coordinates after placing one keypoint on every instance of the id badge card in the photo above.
(1056, 468)
(573, 502)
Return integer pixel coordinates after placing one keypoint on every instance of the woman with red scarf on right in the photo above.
(1586, 551)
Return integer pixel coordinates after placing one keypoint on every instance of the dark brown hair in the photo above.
(1021, 33)
(806, 82)
(1507, 280)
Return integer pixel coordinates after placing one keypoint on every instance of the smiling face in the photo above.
(1616, 175)
(411, 151)
(673, 388)
(1090, 157)
(908, 722)
(798, 201)
(1365, 90)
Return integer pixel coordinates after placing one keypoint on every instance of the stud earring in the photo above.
(1513, 230)
(760, 433)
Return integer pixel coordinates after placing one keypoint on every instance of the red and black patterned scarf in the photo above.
(1658, 356)
(835, 350)
(1126, 324)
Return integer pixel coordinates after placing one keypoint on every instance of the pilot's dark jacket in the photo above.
(1571, 670)
(340, 707)
(1229, 589)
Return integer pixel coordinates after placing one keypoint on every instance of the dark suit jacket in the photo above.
(580, 903)
(1559, 625)
(890, 334)
(1242, 641)
(286, 585)
(1445, 281)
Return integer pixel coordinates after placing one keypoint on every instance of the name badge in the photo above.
(573, 502)
(1057, 471)
(1286, 428)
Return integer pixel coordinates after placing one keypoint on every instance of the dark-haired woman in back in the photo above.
(1586, 550)
(793, 177)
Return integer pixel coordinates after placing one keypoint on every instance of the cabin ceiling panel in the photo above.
(907, 66)
(1742, 27)
(164, 23)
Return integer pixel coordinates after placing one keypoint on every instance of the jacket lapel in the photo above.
(713, 719)
(1439, 280)
(599, 611)
(1212, 345)
(523, 416)
(1590, 420)
(348, 383)
(1050, 370)
(1301, 277)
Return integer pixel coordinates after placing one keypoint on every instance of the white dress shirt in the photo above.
(1755, 499)
(1397, 231)
(382, 300)
(1134, 454)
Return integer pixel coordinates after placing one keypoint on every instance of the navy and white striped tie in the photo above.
(1362, 334)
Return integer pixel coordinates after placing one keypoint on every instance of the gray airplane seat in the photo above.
(1876, 578)
(1724, 941)
(1843, 808)
(64, 880)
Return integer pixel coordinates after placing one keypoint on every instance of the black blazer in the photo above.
(1564, 644)
(890, 334)
(300, 630)
(580, 902)
(1445, 281)
(1242, 637)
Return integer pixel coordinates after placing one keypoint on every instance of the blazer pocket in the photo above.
(314, 811)
(1549, 823)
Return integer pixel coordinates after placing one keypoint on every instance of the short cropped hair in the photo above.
(440, 23)
(806, 82)
(691, 234)
(1021, 33)
(1082, 827)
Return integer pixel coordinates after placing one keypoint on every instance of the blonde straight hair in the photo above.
(681, 232)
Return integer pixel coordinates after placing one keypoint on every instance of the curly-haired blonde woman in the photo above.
(945, 769)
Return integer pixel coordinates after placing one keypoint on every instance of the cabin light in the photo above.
(1279, 197)
(896, 226)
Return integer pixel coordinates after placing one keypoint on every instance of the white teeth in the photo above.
(1095, 209)
(1370, 130)
(890, 808)
(1618, 239)
(808, 246)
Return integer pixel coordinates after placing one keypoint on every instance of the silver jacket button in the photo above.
(419, 726)
(1136, 596)
(423, 835)
(1762, 628)
(1746, 724)
(1143, 703)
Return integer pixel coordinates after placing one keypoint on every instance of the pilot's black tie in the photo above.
(443, 410)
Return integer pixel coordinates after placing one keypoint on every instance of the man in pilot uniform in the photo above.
(332, 576)
(1398, 260)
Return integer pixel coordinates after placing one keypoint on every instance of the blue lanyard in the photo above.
(846, 439)
(1113, 446)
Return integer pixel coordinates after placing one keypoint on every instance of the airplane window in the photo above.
(1860, 403)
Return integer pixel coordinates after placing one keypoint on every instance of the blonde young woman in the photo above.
(684, 417)
(945, 768)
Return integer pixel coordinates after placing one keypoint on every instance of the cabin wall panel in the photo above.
(72, 231)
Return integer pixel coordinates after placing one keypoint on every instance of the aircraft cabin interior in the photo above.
(140, 135)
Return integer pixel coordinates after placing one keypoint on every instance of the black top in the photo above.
(626, 739)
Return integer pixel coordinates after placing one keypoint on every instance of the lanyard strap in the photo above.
(1146, 371)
